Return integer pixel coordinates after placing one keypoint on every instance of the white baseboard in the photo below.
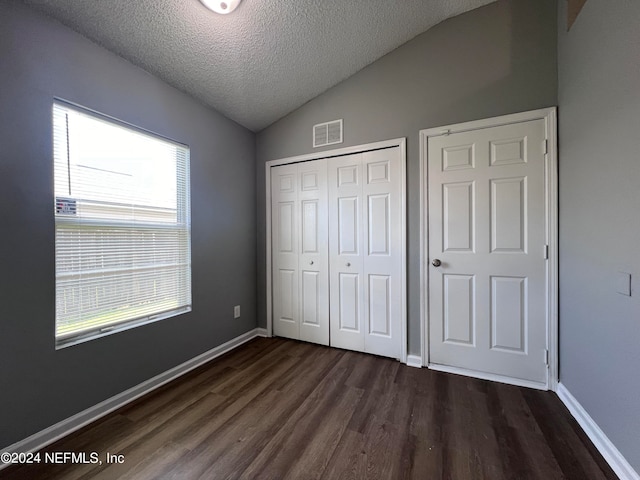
(262, 332)
(414, 361)
(606, 448)
(61, 429)
(488, 376)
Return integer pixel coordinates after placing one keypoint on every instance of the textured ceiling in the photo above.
(262, 61)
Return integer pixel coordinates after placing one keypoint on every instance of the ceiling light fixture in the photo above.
(221, 6)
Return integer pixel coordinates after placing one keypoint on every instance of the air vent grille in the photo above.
(328, 133)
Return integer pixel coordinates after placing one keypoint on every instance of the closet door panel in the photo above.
(382, 259)
(345, 250)
(314, 252)
(348, 224)
(285, 251)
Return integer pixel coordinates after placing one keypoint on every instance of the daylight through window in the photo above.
(122, 220)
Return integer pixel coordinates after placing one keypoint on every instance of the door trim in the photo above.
(396, 142)
(549, 115)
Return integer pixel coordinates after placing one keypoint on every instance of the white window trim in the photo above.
(63, 341)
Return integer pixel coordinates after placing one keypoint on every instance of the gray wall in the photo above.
(599, 114)
(495, 60)
(40, 59)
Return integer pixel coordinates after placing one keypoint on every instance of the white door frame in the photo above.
(549, 115)
(396, 142)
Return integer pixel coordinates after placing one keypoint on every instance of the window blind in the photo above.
(122, 221)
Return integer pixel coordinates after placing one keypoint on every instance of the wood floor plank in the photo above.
(569, 444)
(275, 457)
(282, 409)
(349, 460)
(307, 439)
(251, 428)
(157, 402)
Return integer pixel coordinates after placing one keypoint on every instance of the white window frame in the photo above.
(151, 228)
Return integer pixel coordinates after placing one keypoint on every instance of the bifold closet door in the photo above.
(299, 225)
(365, 250)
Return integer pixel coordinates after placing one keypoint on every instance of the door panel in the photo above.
(378, 172)
(382, 259)
(286, 180)
(379, 233)
(458, 157)
(365, 208)
(510, 151)
(345, 250)
(314, 252)
(508, 215)
(349, 311)
(284, 219)
(348, 228)
(348, 175)
(310, 298)
(287, 227)
(487, 227)
(457, 215)
(310, 181)
(300, 252)
(288, 294)
(380, 305)
(459, 309)
(508, 313)
(310, 226)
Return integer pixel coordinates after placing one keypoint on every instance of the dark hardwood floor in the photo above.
(276, 409)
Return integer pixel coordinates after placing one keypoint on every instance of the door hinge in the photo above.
(545, 146)
(545, 252)
(546, 357)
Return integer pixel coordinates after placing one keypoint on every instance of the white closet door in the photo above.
(365, 249)
(285, 251)
(382, 249)
(314, 252)
(300, 276)
(346, 264)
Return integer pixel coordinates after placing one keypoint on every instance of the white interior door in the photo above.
(300, 251)
(487, 274)
(365, 219)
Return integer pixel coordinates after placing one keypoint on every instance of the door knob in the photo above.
(311, 262)
(436, 262)
(348, 264)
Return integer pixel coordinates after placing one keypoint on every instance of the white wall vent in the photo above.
(327, 133)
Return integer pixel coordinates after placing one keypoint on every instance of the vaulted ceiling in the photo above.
(262, 61)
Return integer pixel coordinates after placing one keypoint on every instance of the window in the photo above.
(122, 220)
